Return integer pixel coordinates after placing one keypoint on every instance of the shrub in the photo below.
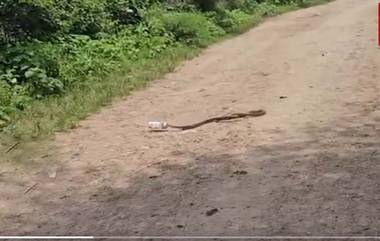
(123, 11)
(153, 22)
(231, 20)
(266, 9)
(234, 4)
(82, 16)
(34, 71)
(207, 5)
(214, 5)
(249, 6)
(191, 28)
(5, 97)
(22, 20)
(11, 100)
(179, 5)
(83, 58)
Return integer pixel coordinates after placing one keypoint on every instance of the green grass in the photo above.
(57, 114)
(54, 114)
(256, 19)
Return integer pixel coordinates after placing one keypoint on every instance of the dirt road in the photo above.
(310, 166)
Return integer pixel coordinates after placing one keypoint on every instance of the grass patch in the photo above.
(60, 113)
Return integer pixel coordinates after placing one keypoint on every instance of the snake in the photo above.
(252, 113)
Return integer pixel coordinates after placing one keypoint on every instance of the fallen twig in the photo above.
(12, 147)
(30, 188)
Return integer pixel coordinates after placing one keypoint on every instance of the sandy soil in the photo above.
(310, 166)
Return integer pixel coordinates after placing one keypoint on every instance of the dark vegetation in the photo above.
(62, 59)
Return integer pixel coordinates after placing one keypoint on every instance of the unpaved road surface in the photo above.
(310, 166)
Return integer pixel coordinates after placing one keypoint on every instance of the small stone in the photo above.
(211, 212)
(52, 174)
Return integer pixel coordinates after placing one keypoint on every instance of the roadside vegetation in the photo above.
(61, 60)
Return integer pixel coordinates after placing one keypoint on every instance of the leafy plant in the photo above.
(231, 20)
(192, 28)
(21, 20)
(20, 67)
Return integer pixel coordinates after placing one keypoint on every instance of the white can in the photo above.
(157, 125)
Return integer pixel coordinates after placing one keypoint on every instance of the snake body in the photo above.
(253, 113)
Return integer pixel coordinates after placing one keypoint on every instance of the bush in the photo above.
(82, 16)
(266, 9)
(5, 99)
(231, 20)
(235, 4)
(123, 12)
(12, 99)
(31, 69)
(22, 20)
(214, 5)
(192, 28)
(207, 5)
(249, 6)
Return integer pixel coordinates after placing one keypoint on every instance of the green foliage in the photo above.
(191, 28)
(23, 19)
(231, 20)
(124, 11)
(87, 17)
(12, 99)
(266, 9)
(22, 67)
(234, 4)
(207, 5)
